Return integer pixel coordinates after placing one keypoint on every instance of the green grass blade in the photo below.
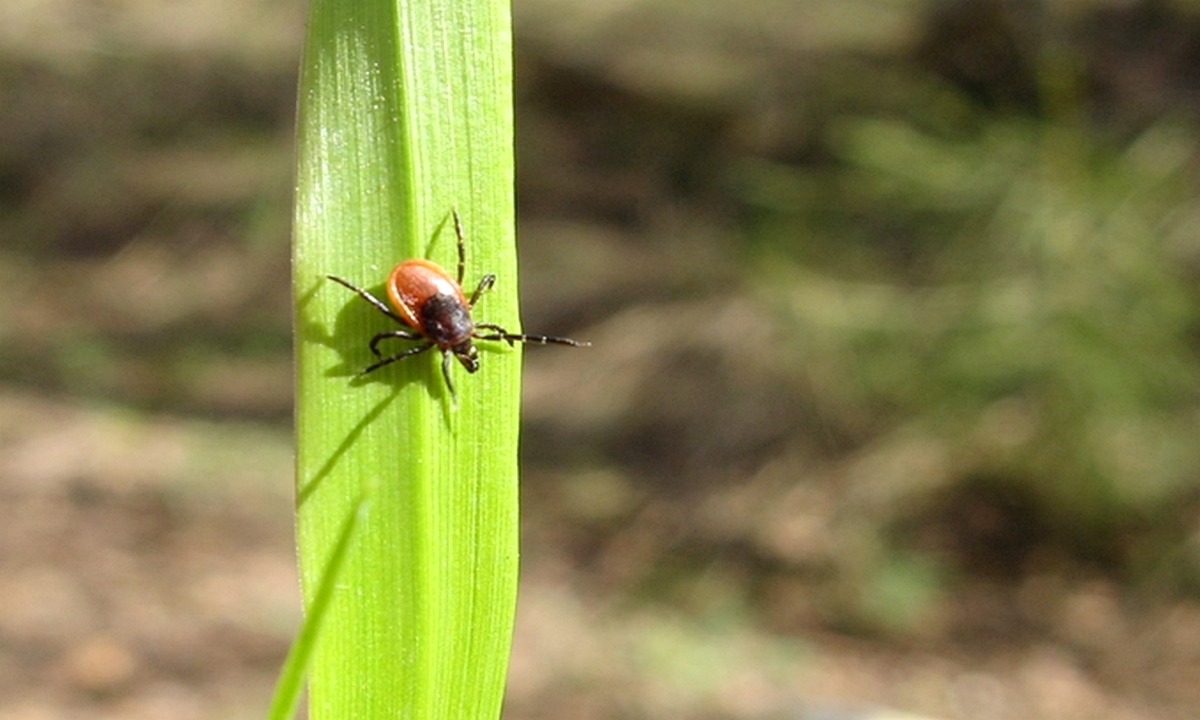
(291, 678)
(405, 112)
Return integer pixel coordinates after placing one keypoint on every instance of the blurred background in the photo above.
(893, 404)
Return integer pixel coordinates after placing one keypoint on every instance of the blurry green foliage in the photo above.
(1014, 289)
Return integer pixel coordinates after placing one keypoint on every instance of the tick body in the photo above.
(435, 312)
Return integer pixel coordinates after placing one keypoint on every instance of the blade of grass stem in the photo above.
(291, 678)
(405, 112)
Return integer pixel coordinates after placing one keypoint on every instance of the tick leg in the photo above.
(510, 338)
(462, 252)
(446, 374)
(402, 334)
(379, 304)
(398, 356)
(485, 283)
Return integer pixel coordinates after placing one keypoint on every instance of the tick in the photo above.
(434, 311)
